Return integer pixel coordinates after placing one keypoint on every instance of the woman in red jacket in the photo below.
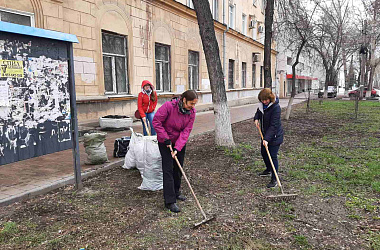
(147, 102)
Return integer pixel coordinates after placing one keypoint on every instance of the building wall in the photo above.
(145, 23)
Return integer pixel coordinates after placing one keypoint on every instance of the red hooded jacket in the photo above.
(145, 105)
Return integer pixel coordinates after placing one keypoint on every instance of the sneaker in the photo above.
(173, 207)
(272, 184)
(181, 197)
(266, 172)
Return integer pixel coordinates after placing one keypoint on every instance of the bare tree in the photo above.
(329, 32)
(223, 130)
(295, 25)
(269, 10)
(372, 12)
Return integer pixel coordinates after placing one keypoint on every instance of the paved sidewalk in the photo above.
(24, 179)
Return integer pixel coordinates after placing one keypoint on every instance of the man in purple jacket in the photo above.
(173, 123)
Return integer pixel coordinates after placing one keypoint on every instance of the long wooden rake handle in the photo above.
(188, 183)
(271, 162)
(146, 126)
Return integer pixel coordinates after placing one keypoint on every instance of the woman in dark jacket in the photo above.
(268, 119)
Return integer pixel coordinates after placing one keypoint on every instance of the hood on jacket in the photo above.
(145, 82)
(261, 105)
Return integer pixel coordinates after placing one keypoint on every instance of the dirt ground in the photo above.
(329, 159)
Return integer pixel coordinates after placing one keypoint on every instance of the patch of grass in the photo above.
(287, 207)
(374, 239)
(310, 190)
(246, 146)
(235, 153)
(354, 216)
(361, 203)
(301, 241)
(8, 230)
(289, 216)
(298, 174)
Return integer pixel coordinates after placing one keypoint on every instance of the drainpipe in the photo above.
(224, 41)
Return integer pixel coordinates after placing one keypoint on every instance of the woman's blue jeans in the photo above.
(273, 151)
(149, 119)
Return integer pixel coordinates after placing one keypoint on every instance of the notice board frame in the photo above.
(61, 45)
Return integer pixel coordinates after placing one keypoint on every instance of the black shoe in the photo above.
(181, 197)
(266, 172)
(173, 207)
(272, 184)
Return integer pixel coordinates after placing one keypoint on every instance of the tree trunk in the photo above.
(223, 130)
(293, 94)
(346, 85)
(268, 43)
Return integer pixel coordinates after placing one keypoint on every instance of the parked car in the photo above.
(355, 92)
(331, 92)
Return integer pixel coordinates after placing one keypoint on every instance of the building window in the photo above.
(231, 64)
(162, 59)
(115, 63)
(17, 17)
(244, 75)
(231, 16)
(190, 4)
(263, 5)
(215, 9)
(253, 75)
(289, 60)
(193, 70)
(244, 24)
(261, 76)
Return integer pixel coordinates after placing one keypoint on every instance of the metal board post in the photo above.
(74, 120)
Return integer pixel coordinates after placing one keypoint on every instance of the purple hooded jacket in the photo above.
(169, 123)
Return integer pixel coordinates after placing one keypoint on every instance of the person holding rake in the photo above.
(173, 123)
(268, 120)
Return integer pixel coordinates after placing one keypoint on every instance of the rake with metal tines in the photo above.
(205, 218)
(282, 196)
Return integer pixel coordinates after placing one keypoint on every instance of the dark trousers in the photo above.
(273, 151)
(171, 172)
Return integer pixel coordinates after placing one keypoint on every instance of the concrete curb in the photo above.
(69, 180)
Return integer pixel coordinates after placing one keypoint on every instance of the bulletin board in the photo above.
(34, 97)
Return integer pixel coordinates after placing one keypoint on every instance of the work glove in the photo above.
(168, 142)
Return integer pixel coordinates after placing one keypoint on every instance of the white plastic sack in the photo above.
(144, 155)
(152, 174)
(134, 157)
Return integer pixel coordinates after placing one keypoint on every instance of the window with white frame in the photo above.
(231, 66)
(115, 63)
(162, 62)
(244, 24)
(193, 67)
(190, 4)
(231, 19)
(244, 75)
(17, 17)
(215, 9)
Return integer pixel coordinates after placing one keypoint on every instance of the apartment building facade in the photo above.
(123, 42)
